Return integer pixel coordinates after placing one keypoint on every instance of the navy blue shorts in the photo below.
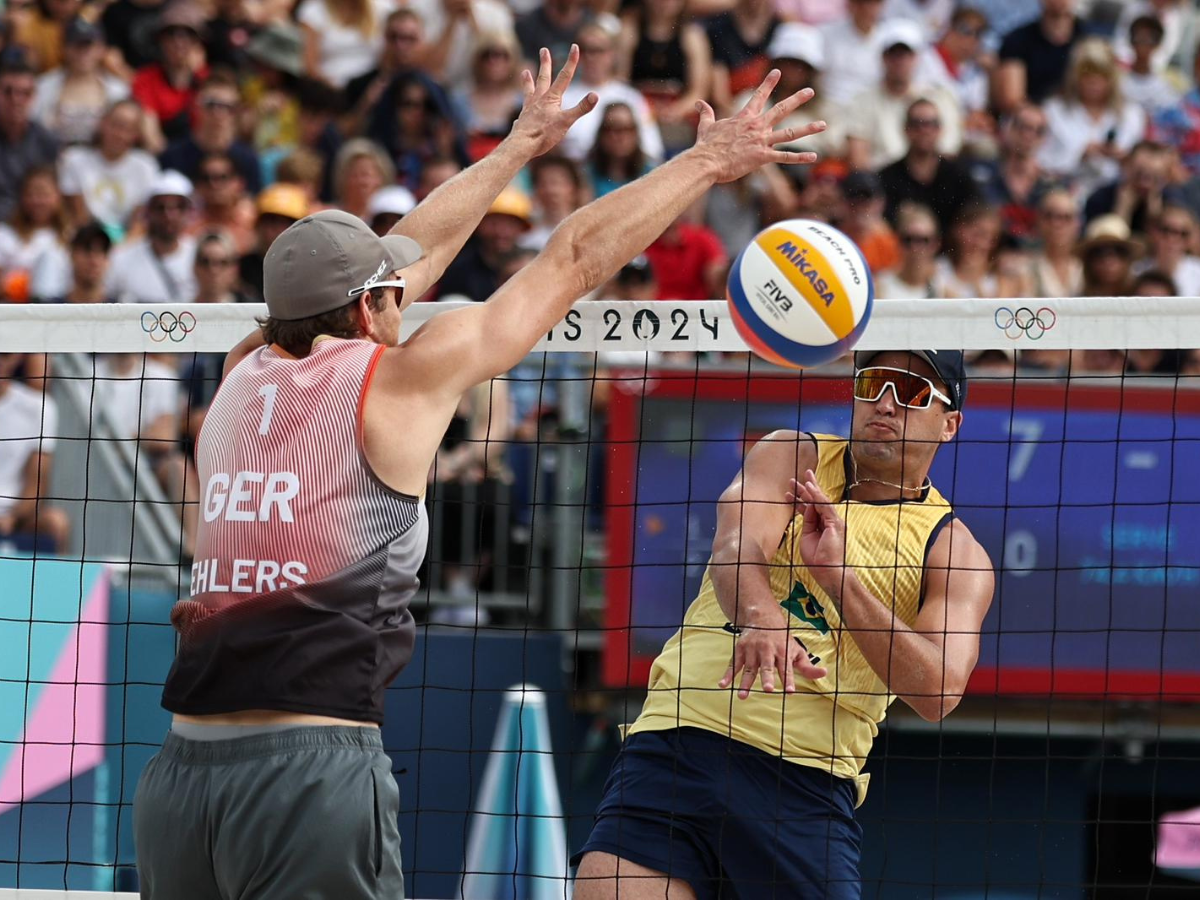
(730, 820)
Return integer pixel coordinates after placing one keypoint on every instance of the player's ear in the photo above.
(950, 425)
(365, 310)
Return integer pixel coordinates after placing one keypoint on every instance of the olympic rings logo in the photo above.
(168, 325)
(1024, 321)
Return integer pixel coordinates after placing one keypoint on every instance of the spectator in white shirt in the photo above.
(451, 29)
(33, 252)
(853, 65)
(28, 425)
(875, 118)
(1170, 13)
(597, 67)
(955, 63)
(111, 180)
(71, 99)
(1091, 125)
(1143, 84)
(158, 267)
(559, 189)
(342, 38)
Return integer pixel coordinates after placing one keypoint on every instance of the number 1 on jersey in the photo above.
(267, 392)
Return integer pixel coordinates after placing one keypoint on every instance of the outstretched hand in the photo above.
(823, 534)
(746, 140)
(543, 119)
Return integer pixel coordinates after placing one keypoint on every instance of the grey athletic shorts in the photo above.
(297, 813)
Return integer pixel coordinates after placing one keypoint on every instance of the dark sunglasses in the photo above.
(968, 31)
(215, 177)
(1108, 250)
(910, 390)
(1032, 129)
(917, 240)
(213, 262)
(1181, 233)
(214, 103)
(924, 123)
(168, 206)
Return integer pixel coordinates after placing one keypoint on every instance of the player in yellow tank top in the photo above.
(839, 580)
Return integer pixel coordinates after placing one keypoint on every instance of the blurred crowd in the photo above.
(151, 151)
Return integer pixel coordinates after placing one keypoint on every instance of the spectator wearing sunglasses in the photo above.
(157, 268)
(223, 205)
(955, 62)
(1172, 246)
(1015, 180)
(876, 118)
(916, 276)
(923, 174)
(215, 131)
(1055, 269)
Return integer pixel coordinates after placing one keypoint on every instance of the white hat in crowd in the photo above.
(795, 40)
(393, 199)
(171, 184)
(905, 32)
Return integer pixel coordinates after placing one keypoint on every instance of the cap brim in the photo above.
(404, 250)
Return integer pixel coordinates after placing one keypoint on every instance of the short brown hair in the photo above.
(296, 336)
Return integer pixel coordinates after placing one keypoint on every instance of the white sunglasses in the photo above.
(910, 390)
(395, 282)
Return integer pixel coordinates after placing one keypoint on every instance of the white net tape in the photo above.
(1124, 323)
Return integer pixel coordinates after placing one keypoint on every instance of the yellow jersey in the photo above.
(829, 723)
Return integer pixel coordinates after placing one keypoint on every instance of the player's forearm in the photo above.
(741, 578)
(444, 221)
(592, 244)
(912, 666)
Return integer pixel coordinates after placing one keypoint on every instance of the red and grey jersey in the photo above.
(305, 561)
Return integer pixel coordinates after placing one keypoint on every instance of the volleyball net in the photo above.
(572, 514)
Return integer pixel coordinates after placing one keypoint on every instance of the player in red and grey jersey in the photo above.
(273, 782)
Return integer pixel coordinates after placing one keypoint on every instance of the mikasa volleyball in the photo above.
(800, 293)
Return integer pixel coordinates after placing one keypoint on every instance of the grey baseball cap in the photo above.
(325, 260)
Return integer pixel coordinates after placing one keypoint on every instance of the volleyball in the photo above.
(800, 294)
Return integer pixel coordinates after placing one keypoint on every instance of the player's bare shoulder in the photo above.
(784, 453)
(957, 554)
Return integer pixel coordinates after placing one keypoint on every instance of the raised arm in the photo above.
(453, 351)
(444, 221)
